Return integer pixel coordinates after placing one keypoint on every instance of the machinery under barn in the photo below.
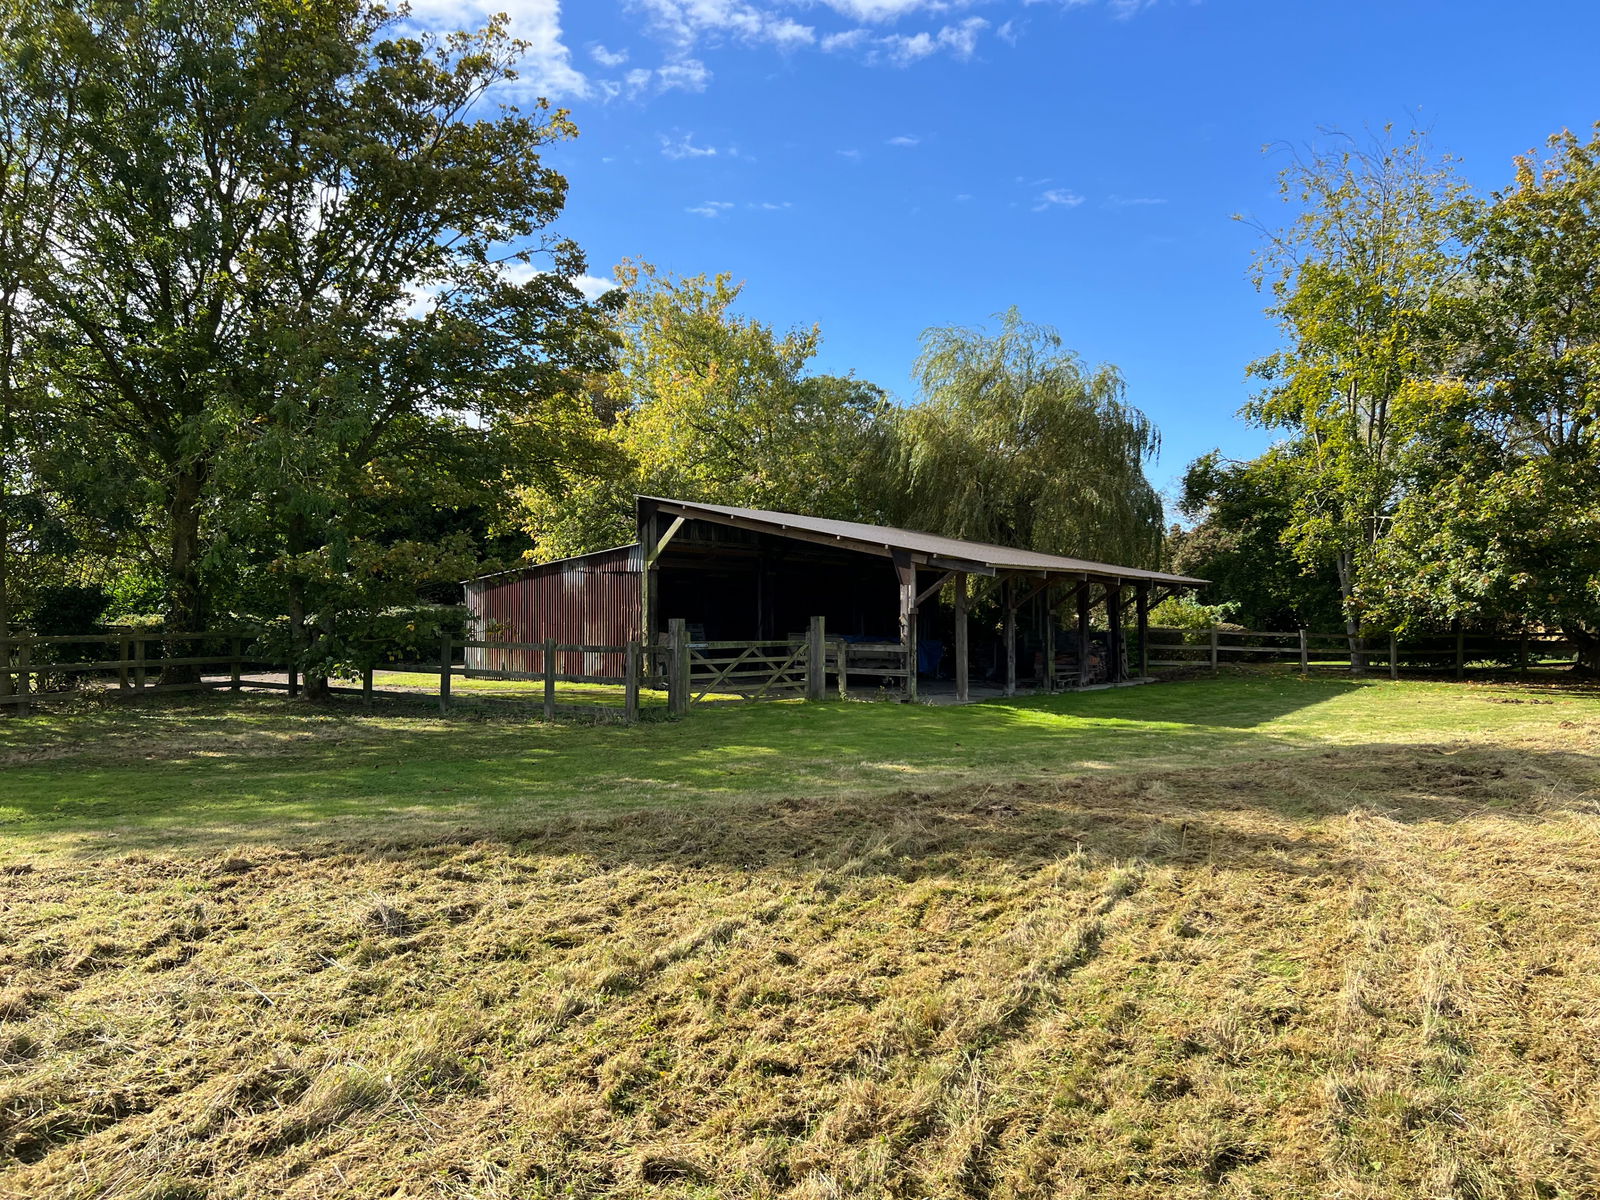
(898, 605)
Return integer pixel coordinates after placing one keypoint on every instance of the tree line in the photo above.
(288, 336)
(1437, 401)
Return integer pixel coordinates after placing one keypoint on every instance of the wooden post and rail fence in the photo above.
(1451, 652)
(35, 670)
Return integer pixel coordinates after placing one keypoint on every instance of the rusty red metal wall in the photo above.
(594, 599)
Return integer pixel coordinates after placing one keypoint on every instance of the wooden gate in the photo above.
(750, 670)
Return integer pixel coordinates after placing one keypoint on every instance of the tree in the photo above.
(1502, 515)
(1241, 511)
(1356, 280)
(1016, 442)
(30, 178)
(707, 405)
(290, 271)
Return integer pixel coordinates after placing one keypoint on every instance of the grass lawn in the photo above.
(218, 771)
(1255, 936)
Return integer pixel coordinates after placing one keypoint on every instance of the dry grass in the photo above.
(1352, 972)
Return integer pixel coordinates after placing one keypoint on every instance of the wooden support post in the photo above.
(1394, 657)
(1049, 642)
(138, 663)
(1461, 651)
(906, 575)
(677, 666)
(366, 687)
(1114, 630)
(5, 666)
(843, 663)
(1305, 653)
(1011, 636)
(1522, 653)
(123, 650)
(21, 706)
(549, 679)
(963, 668)
(236, 648)
(1085, 676)
(1142, 613)
(816, 660)
(1213, 647)
(630, 681)
(445, 655)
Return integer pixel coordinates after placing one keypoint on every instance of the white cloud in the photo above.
(849, 39)
(960, 41)
(607, 58)
(853, 155)
(686, 74)
(768, 206)
(684, 23)
(1057, 198)
(710, 208)
(890, 10)
(684, 147)
(904, 139)
(1133, 201)
(546, 66)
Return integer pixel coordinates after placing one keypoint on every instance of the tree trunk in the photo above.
(1352, 627)
(186, 602)
(1588, 644)
(315, 687)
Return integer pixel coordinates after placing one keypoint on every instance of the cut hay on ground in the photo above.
(1353, 972)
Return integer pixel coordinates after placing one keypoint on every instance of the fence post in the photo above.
(445, 656)
(5, 664)
(1394, 657)
(842, 661)
(816, 660)
(22, 679)
(138, 663)
(677, 667)
(1461, 652)
(630, 681)
(549, 679)
(1213, 647)
(366, 687)
(123, 650)
(1522, 653)
(237, 649)
(1305, 653)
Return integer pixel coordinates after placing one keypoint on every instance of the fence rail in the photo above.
(1451, 651)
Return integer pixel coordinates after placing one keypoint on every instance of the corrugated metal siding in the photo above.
(594, 599)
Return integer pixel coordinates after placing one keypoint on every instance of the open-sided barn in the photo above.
(738, 573)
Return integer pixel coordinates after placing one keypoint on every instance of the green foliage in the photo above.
(1242, 514)
(1356, 279)
(1017, 442)
(1189, 615)
(290, 326)
(1502, 515)
(708, 405)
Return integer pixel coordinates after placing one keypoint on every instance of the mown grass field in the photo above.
(1247, 937)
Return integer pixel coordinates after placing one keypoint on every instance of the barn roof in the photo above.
(883, 540)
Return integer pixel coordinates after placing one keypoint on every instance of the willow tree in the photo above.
(1015, 441)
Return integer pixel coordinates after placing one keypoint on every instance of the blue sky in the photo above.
(880, 166)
